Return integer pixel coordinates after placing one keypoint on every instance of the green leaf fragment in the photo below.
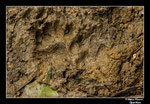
(37, 90)
(49, 68)
(48, 74)
(10, 95)
(48, 92)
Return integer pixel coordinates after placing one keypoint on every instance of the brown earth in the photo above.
(92, 51)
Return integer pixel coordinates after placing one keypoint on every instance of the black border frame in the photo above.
(3, 99)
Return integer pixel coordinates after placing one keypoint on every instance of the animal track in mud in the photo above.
(93, 51)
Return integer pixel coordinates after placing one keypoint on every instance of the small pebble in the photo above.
(134, 56)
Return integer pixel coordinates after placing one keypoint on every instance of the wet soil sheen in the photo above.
(76, 51)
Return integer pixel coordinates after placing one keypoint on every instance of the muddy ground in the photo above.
(80, 51)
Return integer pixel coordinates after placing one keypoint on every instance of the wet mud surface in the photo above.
(76, 51)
